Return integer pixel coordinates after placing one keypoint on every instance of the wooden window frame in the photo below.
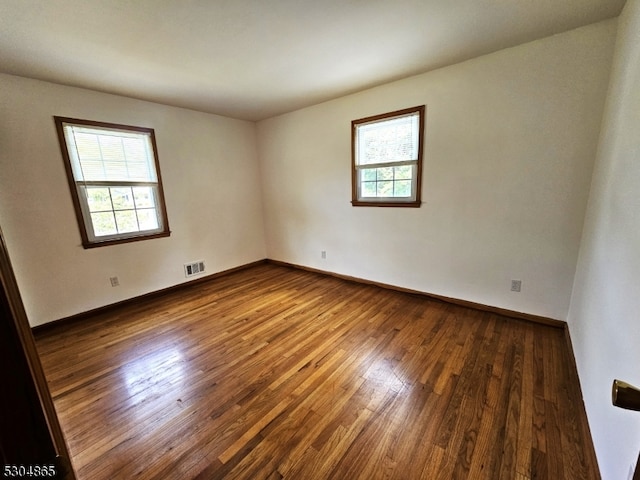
(358, 201)
(81, 207)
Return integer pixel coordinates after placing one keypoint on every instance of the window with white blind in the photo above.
(115, 182)
(387, 158)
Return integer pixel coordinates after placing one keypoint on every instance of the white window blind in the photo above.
(388, 141)
(109, 155)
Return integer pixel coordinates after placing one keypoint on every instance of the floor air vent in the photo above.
(195, 268)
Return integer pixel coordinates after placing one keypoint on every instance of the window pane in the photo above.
(143, 197)
(402, 173)
(127, 221)
(369, 174)
(122, 198)
(103, 224)
(385, 189)
(137, 164)
(135, 148)
(148, 219)
(87, 145)
(369, 189)
(385, 173)
(99, 199)
(115, 170)
(111, 148)
(402, 188)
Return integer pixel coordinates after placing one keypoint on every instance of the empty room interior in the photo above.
(289, 301)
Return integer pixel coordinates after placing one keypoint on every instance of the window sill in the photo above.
(361, 203)
(116, 241)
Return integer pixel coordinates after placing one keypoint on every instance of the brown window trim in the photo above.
(125, 238)
(418, 181)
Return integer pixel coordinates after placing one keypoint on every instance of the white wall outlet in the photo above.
(323, 254)
(114, 281)
(516, 285)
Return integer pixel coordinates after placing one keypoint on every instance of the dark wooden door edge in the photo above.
(30, 398)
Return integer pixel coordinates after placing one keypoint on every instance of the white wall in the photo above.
(604, 319)
(510, 144)
(212, 192)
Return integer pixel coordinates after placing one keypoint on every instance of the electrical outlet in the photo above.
(323, 254)
(516, 285)
(114, 281)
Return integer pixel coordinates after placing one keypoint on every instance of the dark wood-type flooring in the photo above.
(273, 372)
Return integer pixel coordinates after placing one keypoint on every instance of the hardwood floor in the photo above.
(273, 372)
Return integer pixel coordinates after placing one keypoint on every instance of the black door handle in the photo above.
(626, 396)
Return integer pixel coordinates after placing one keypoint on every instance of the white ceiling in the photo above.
(253, 59)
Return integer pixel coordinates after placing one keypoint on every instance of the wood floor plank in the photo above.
(278, 373)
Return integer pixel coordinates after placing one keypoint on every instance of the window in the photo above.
(387, 158)
(115, 182)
